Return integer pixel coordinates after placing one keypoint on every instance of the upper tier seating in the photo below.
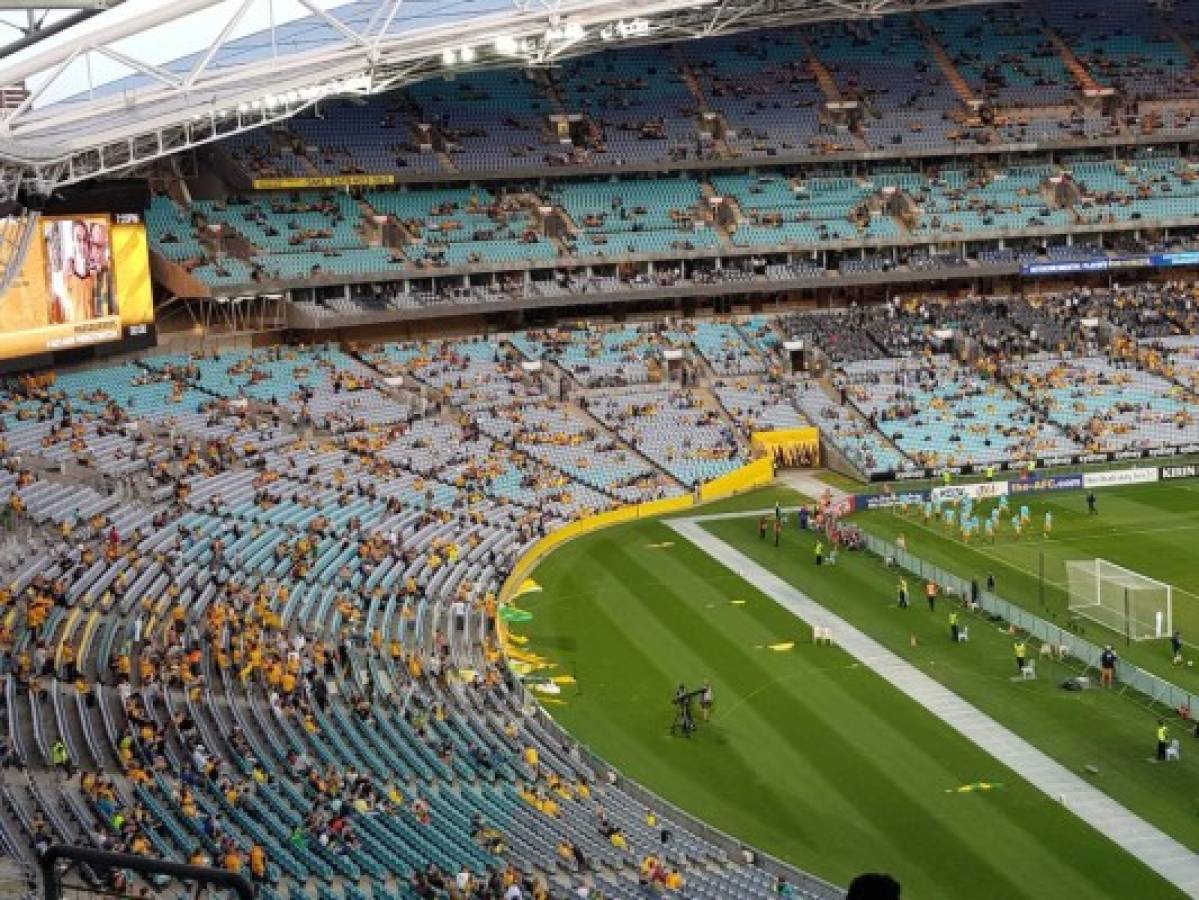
(461, 226)
(885, 64)
(636, 102)
(766, 91)
(364, 136)
(761, 85)
(1124, 47)
(261, 155)
(1003, 55)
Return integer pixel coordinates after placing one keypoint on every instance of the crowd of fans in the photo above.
(255, 593)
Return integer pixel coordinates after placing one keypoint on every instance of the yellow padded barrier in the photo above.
(751, 475)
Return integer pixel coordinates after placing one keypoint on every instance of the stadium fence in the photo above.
(1158, 690)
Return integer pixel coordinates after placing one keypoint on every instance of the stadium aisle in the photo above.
(1159, 851)
(808, 484)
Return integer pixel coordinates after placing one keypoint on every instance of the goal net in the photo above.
(1125, 601)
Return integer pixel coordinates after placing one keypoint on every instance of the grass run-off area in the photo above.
(814, 758)
(1152, 529)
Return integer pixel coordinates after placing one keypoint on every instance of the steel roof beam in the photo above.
(218, 42)
(38, 32)
(49, 57)
(39, 5)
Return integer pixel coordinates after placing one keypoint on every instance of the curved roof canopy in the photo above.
(153, 77)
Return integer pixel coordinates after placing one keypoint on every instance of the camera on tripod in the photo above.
(684, 717)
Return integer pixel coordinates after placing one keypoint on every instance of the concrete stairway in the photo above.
(946, 64)
(1082, 76)
(824, 78)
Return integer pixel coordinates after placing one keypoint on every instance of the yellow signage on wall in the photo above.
(321, 181)
(751, 475)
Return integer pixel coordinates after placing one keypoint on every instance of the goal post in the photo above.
(1129, 603)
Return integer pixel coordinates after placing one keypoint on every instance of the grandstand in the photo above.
(257, 575)
(409, 477)
(442, 187)
(417, 522)
(900, 216)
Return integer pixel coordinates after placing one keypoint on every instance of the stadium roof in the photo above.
(101, 99)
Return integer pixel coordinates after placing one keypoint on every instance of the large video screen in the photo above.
(85, 280)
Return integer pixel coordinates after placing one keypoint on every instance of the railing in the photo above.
(52, 872)
(1156, 689)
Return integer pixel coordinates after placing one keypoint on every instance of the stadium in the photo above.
(498, 450)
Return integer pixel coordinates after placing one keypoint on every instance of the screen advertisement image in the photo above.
(78, 270)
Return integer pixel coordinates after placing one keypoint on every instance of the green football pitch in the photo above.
(813, 757)
(1152, 529)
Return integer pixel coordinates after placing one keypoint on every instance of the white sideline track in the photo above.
(1154, 848)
